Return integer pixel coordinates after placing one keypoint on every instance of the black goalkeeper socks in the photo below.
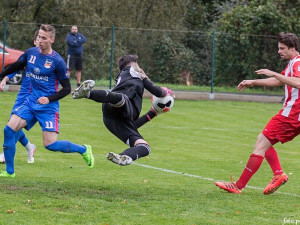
(140, 150)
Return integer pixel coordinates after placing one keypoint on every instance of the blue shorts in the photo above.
(47, 115)
(21, 98)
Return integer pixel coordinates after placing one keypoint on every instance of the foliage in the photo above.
(172, 38)
(174, 62)
(244, 51)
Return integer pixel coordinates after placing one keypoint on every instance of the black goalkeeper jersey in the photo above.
(131, 86)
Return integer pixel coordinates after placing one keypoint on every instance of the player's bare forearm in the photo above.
(290, 81)
(268, 82)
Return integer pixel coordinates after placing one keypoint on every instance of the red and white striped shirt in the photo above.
(291, 105)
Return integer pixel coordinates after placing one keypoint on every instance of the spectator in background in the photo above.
(75, 43)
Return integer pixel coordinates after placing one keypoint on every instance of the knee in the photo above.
(262, 145)
(52, 147)
(8, 132)
(142, 143)
(260, 137)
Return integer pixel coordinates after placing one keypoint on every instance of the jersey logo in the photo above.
(48, 64)
(36, 71)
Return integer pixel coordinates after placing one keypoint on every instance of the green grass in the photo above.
(195, 144)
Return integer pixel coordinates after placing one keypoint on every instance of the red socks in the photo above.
(273, 160)
(252, 166)
(254, 163)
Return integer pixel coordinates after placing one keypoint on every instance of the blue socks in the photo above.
(66, 147)
(20, 136)
(9, 147)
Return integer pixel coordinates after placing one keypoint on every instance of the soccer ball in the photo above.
(2, 159)
(163, 104)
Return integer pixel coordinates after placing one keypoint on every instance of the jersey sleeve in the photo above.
(296, 69)
(61, 71)
(15, 67)
(153, 88)
(11, 75)
(23, 59)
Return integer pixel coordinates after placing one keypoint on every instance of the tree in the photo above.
(247, 37)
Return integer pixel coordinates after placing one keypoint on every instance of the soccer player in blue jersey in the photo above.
(22, 95)
(46, 70)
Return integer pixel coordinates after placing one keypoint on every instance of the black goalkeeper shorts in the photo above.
(119, 121)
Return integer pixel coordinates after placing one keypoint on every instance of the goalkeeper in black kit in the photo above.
(122, 106)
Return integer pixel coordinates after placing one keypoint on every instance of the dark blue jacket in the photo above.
(75, 43)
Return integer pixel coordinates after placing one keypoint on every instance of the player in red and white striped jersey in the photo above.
(284, 126)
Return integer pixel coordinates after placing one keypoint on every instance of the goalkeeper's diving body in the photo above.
(122, 106)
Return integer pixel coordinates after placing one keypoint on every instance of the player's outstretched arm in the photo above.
(156, 90)
(16, 66)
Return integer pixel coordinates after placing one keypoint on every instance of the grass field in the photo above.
(199, 142)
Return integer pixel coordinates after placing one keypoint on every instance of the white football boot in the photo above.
(30, 153)
(122, 160)
(2, 159)
(83, 90)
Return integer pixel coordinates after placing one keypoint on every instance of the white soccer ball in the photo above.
(163, 104)
(2, 159)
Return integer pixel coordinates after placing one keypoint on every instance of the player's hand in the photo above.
(244, 84)
(2, 85)
(43, 100)
(168, 92)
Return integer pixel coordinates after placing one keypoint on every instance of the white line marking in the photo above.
(204, 178)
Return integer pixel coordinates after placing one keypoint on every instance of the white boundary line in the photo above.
(203, 178)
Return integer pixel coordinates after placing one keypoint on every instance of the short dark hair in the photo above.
(48, 28)
(124, 60)
(289, 39)
(35, 35)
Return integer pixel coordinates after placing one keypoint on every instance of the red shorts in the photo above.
(281, 128)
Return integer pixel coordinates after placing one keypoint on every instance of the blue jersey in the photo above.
(24, 90)
(44, 73)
